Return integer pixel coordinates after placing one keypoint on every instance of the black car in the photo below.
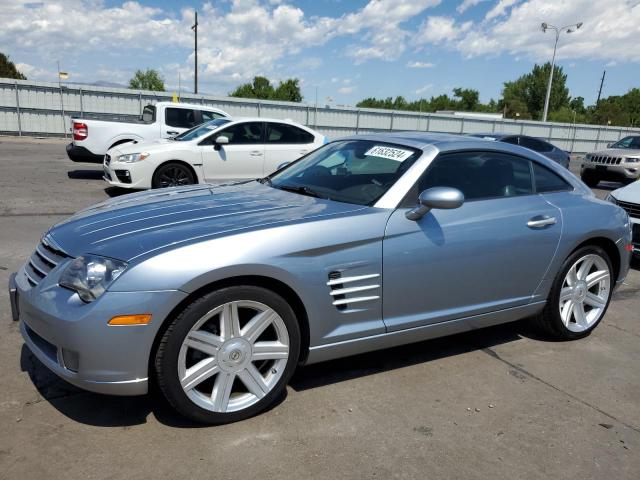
(545, 148)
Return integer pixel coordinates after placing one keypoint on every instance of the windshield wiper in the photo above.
(302, 189)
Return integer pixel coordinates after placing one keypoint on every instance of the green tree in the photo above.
(531, 89)
(8, 69)
(468, 99)
(147, 80)
(288, 90)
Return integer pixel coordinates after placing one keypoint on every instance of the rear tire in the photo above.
(580, 295)
(172, 174)
(590, 179)
(228, 355)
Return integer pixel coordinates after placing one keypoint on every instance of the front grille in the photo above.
(43, 260)
(606, 160)
(633, 209)
(636, 234)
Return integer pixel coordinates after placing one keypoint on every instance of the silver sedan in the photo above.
(217, 293)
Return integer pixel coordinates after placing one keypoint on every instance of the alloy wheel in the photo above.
(233, 356)
(174, 176)
(585, 293)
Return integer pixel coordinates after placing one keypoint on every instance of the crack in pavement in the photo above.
(495, 355)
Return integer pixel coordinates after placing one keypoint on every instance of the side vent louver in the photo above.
(358, 289)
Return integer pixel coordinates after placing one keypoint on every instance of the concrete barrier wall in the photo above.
(45, 109)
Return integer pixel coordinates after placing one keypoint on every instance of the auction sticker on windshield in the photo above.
(396, 154)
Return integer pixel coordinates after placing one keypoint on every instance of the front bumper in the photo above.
(622, 171)
(77, 153)
(75, 342)
(125, 175)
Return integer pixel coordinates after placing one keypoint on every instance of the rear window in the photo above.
(547, 181)
(180, 117)
(535, 144)
(283, 133)
(149, 114)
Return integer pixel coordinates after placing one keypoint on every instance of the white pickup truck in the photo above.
(92, 138)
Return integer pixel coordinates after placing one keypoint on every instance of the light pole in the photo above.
(195, 48)
(558, 31)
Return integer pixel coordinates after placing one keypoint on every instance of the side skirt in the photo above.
(346, 348)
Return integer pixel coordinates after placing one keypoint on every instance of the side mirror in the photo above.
(221, 140)
(609, 145)
(445, 198)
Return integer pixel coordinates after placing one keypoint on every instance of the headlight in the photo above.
(632, 160)
(610, 198)
(587, 158)
(90, 275)
(133, 157)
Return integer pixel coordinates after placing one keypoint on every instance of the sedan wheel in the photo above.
(228, 355)
(580, 295)
(585, 293)
(172, 174)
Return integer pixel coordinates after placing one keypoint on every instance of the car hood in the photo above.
(136, 224)
(618, 152)
(160, 144)
(630, 193)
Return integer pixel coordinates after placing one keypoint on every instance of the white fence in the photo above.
(45, 109)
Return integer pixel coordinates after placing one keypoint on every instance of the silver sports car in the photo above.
(217, 293)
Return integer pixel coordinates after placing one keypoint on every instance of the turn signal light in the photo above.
(141, 319)
(80, 131)
(629, 248)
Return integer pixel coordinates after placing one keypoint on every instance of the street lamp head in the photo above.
(578, 26)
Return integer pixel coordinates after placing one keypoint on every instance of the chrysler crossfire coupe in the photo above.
(217, 293)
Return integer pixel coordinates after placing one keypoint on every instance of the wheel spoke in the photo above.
(572, 276)
(257, 325)
(199, 373)
(585, 268)
(566, 293)
(229, 321)
(222, 391)
(579, 315)
(254, 381)
(204, 342)
(595, 300)
(596, 277)
(269, 351)
(566, 311)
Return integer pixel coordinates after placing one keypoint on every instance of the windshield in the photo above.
(628, 142)
(350, 171)
(200, 130)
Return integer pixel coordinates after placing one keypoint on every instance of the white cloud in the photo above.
(346, 90)
(467, 4)
(500, 8)
(439, 29)
(418, 64)
(424, 89)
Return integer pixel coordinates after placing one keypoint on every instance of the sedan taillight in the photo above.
(80, 131)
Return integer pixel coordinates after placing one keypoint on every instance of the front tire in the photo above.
(580, 295)
(228, 355)
(172, 174)
(590, 179)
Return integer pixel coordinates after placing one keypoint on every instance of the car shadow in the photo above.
(112, 411)
(85, 174)
(118, 192)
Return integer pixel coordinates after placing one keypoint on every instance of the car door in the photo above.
(488, 255)
(284, 144)
(177, 120)
(241, 158)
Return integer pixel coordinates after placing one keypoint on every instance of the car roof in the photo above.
(197, 106)
(493, 136)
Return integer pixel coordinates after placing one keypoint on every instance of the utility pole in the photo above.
(600, 90)
(195, 76)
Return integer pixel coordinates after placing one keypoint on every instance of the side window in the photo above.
(547, 181)
(535, 144)
(207, 116)
(512, 140)
(283, 133)
(478, 175)
(242, 133)
(180, 117)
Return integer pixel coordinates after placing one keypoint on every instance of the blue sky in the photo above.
(348, 49)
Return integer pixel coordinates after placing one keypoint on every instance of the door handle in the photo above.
(172, 132)
(256, 153)
(541, 221)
